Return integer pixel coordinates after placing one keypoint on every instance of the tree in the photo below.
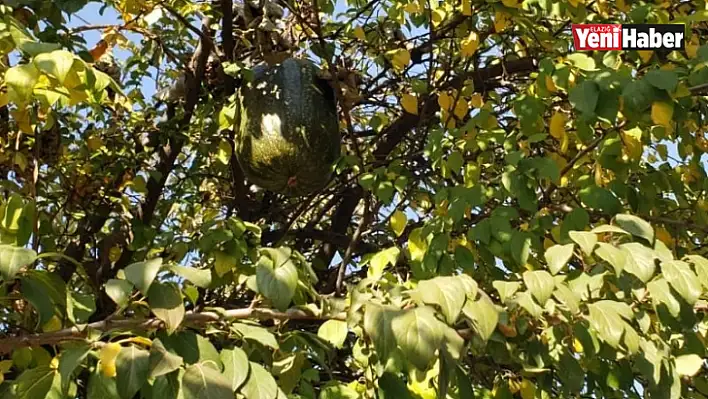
(509, 217)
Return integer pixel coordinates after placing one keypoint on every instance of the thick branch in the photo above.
(7, 345)
(155, 187)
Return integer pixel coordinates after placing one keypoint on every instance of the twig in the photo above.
(350, 249)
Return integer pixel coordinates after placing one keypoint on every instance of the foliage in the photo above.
(509, 217)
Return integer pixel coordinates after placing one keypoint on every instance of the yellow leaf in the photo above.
(399, 58)
(621, 5)
(417, 245)
(445, 101)
(467, 8)
(359, 33)
(558, 125)
(528, 389)
(461, 109)
(645, 55)
(4, 99)
(512, 3)
(22, 118)
(632, 140)
(409, 103)
(577, 346)
(662, 113)
(565, 142)
(438, 16)
(114, 253)
(412, 8)
(599, 181)
(550, 85)
(53, 324)
(398, 222)
(692, 46)
(21, 161)
(547, 243)
(469, 45)
(476, 101)
(501, 21)
(107, 358)
(574, 3)
(663, 235)
(94, 143)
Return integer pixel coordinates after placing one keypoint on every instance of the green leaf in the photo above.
(20, 81)
(540, 283)
(142, 274)
(57, 64)
(260, 384)
(338, 390)
(224, 152)
(166, 303)
(223, 263)
(520, 247)
(79, 307)
(199, 277)
(484, 316)
(701, 265)
(12, 259)
(526, 301)
(661, 295)
(256, 333)
(586, 240)
(165, 387)
(600, 198)
(162, 361)
(119, 291)
(419, 334)
(447, 292)
(236, 366)
(606, 317)
(35, 383)
(100, 386)
(381, 259)
(567, 297)
(688, 365)
(608, 228)
(636, 226)
(334, 331)
(582, 61)
(571, 373)
(378, 324)
(201, 382)
(616, 257)
(277, 284)
(132, 365)
(46, 292)
(558, 256)
(506, 289)
(640, 260)
(584, 96)
(682, 279)
(69, 360)
(662, 79)
(392, 387)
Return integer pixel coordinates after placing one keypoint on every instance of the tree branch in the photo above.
(172, 149)
(7, 345)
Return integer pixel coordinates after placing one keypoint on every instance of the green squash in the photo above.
(288, 135)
